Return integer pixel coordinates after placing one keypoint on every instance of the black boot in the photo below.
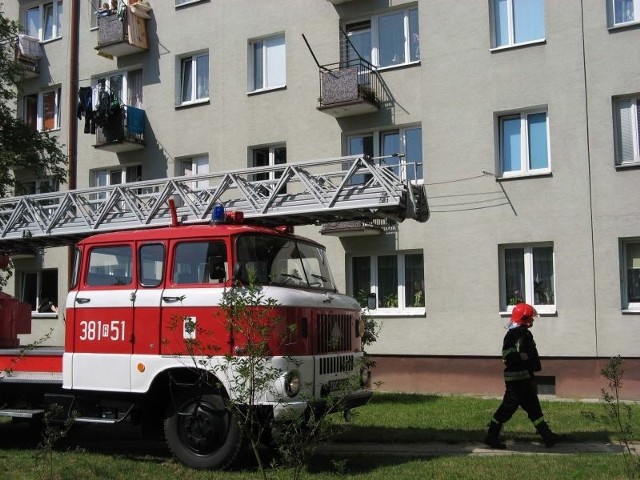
(493, 436)
(548, 437)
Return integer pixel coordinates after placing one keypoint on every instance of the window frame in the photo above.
(194, 70)
(377, 137)
(528, 264)
(57, 12)
(200, 161)
(109, 172)
(272, 159)
(611, 14)
(511, 28)
(626, 304)
(401, 258)
(251, 67)
(525, 158)
(40, 112)
(375, 40)
(635, 133)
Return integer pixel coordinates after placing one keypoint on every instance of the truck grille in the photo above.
(336, 364)
(335, 332)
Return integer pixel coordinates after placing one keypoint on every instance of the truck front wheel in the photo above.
(201, 432)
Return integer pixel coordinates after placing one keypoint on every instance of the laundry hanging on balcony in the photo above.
(135, 120)
(85, 108)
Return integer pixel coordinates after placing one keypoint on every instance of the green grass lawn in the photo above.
(119, 453)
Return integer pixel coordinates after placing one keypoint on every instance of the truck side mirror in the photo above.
(372, 301)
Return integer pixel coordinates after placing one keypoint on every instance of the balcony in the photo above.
(124, 33)
(122, 130)
(355, 228)
(28, 54)
(349, 88)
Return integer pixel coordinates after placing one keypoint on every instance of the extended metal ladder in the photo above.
(328, 190)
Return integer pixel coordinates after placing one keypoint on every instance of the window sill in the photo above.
(50, 40)
(546, 173)
(399, 66)
(397, 312)
(630, 311)
(623, 26)
(195, 103)
(266, 90)
(627, 166)
(550, 311)
(40, 316)
(514, 46)
(184, 4)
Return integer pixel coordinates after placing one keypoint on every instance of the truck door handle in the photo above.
(83, 300)
(172, 299)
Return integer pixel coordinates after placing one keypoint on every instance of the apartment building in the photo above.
(521, 118)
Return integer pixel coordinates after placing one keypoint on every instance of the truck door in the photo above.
(146, 314)
(191, 314)
(103, 321)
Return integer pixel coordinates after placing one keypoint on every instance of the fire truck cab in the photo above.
(140, 300)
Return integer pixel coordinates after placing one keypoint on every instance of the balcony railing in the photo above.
(121, 34)
(349, 88)
(123, 130)
(28, 54)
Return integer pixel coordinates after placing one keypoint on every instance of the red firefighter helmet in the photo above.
(523, 314)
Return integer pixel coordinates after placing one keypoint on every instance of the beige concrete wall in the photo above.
(456, 92)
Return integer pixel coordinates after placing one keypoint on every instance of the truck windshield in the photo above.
(284, 262)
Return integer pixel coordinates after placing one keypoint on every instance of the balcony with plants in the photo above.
(122, 29)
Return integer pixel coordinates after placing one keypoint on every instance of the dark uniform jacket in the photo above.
(519, 340)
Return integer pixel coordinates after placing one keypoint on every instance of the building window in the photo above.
(44, 22)
(114, 176)
(405, 143)
(194, 78)
(95, 7)
(198, 165)
(397, 280)
(623, 11)
(527, 275)
(630, 274)
(40, 290)
(267, 63)
(516, 22)
(125, 87)
(36, 186)
(524, 144)
(386, 40)
(42, 111)
(265, 157)
(627, 135)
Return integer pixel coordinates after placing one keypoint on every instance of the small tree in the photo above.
(250, 322)
(618, 414)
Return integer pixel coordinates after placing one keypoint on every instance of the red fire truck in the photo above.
(141, 293)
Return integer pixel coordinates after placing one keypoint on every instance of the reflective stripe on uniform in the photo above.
(508, 351)
(513, 376)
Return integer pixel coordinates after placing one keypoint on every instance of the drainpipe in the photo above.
(72, 139)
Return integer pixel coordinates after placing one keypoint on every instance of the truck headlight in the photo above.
(292, 383)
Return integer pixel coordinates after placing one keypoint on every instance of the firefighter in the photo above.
(521, 360)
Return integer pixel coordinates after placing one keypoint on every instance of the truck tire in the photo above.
(201, 433)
